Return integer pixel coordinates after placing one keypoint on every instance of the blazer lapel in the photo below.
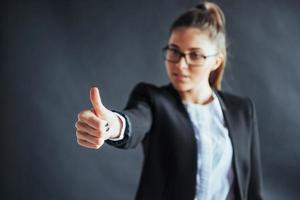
(228, 114)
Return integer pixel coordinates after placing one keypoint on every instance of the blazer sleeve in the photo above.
(138, 117)
(256, 183)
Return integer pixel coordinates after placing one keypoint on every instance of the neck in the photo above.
(199, 95)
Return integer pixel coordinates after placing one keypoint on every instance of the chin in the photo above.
(181, 86)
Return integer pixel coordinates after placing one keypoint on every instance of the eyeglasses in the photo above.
(194, 59)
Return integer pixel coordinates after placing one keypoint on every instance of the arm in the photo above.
(138, 118)
(255, 187)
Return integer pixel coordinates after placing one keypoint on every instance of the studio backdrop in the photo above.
(52, 52)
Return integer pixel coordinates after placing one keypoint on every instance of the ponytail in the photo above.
(217, 15)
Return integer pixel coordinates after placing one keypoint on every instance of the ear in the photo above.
(218, 61)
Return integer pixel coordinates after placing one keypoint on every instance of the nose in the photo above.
(182, 63)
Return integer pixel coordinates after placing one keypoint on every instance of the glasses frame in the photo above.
(181, 54)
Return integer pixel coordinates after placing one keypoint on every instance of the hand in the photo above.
(96, 125)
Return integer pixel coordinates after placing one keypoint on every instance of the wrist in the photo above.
(116, 132)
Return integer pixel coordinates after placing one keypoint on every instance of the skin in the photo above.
(91, 126)
(192, 83)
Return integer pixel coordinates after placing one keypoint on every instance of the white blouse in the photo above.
(215, 172)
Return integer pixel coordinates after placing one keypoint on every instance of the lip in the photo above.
(180, 77)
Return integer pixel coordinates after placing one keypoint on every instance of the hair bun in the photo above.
(214, 12)
(217, 14)
(201, 6)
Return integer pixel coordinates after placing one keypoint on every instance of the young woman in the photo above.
(199, 142)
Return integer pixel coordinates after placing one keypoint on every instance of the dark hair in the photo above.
(207, 16)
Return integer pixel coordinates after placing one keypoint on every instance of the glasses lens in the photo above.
(172, 55)
(195, 58)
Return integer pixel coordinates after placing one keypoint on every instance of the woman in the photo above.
(199, 142)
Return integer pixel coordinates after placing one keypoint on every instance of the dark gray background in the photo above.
(53, 51)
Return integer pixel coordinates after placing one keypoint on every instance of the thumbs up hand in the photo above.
(96, 125)
(98, 107)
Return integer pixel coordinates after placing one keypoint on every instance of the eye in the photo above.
(195, 56)
(174, 52)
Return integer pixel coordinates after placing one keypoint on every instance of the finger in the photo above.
(95, 123)
(88, 145)
(96, 101)
(83, 127)
(89, 118)
(89, 138)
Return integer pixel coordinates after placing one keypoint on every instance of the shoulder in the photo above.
(232, 98)
(150, 89)
(163, 95)
(145, 92)
(235, 99)
(236, 102)
(142, 86)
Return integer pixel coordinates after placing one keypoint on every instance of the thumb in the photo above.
(96, 101)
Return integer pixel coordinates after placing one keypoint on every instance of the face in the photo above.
(192, 41)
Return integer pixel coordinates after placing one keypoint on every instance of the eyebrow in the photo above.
(192, 48)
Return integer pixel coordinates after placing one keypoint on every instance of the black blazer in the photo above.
(156, 117)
